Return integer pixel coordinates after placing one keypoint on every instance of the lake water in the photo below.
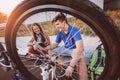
(90, 44)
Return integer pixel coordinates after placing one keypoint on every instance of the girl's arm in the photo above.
(31, 42)
(47, 38)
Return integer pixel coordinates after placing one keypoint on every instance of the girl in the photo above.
(39, 40)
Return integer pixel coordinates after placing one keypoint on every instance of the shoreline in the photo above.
(90, 44)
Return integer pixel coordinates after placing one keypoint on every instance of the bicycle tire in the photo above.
(85, 10)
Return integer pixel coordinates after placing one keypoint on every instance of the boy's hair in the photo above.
(61, 17)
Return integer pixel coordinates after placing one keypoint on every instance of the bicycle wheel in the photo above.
(61, 67)
(32, 66)
(84, 10)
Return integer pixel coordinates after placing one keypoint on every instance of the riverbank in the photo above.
(90, 43)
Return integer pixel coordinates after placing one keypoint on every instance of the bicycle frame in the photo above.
(5, 58)
(8, 63)
(48, 67)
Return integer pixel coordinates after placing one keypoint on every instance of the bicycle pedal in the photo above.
(18, 76)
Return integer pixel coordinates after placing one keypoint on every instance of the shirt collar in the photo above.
(69, 29)
(38, 35)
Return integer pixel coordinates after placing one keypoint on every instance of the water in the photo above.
(90, 44)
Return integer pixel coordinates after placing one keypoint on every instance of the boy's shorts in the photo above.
(61, 50)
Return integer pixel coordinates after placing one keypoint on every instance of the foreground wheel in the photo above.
(84, 10)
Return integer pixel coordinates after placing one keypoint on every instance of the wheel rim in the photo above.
(101, 32)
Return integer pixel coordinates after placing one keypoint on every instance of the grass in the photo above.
(48, 27)
(115, 15)
(2, 32)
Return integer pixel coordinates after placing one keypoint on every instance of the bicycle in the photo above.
(4, 59)
(48, 67)
(103, 26)
(7, 64)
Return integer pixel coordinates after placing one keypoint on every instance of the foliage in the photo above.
(115, 15)
(3, 17)
(2, 32)
(24, 30)
(48, 27)
(86, 30)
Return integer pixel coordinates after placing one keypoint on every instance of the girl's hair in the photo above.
(41, 32)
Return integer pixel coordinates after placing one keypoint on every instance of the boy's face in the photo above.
(60, 25)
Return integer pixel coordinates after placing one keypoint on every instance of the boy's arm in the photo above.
(78, 58)
(52, 46)
(78, 53)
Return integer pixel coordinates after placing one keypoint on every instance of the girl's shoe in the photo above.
(30, 55)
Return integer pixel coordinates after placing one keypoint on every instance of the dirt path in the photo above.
(6, 75)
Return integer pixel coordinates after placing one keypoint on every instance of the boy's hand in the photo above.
(69, 71)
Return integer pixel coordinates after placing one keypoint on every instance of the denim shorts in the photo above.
(61, 50)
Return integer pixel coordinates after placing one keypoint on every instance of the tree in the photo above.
(3, 17)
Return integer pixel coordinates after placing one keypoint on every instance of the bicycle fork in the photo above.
(45, 71)
(48, 71)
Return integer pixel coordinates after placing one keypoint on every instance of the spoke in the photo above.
(38, 70)
(29, 65)
(33, 61)
(32, 68)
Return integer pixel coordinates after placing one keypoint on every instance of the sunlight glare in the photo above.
(6, 6)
